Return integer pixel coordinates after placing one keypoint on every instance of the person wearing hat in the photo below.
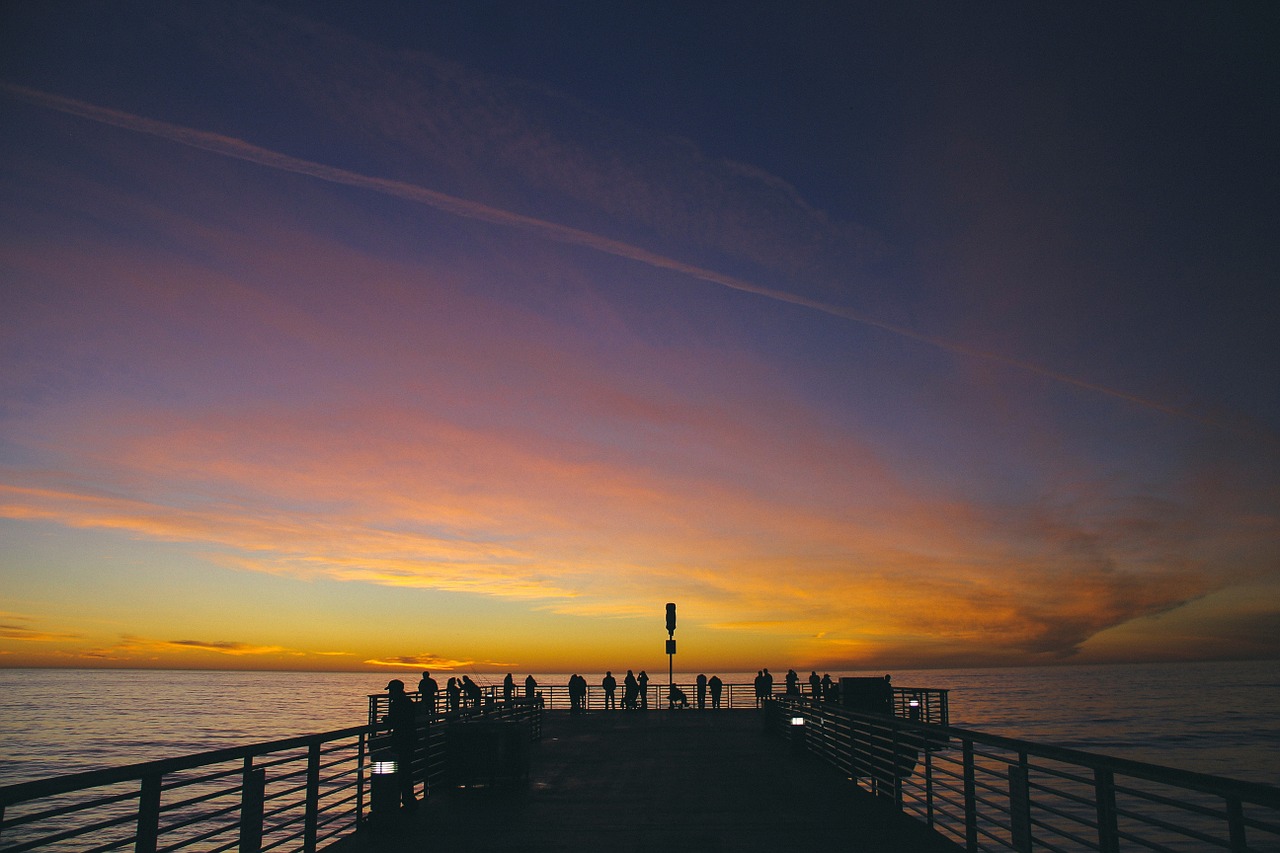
(404, 739)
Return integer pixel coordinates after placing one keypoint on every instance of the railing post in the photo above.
(928, 782)
(1235, 825)
(970, 800)
(253, 785)
(1105, 794)
(1020, 804)
(313, 798)
(148, 834)
(361, 753)
(896, 745)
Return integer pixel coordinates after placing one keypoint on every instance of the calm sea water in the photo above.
(1221, 718)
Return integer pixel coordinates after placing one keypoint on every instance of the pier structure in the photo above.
(657, 780)
(873, 773)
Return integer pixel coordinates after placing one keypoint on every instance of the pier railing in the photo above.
(992, 793)
(928, 705)
(297, 794)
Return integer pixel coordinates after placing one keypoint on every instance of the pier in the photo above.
(527, 774)
(658, 780)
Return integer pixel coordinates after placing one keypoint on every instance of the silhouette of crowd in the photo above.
(461, 693)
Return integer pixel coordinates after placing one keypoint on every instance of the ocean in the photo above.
(1219, 718)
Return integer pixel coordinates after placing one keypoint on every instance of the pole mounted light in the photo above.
(671, 649)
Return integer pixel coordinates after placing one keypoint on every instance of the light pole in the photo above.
(671, 651)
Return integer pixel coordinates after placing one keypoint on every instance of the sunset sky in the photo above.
(468, 334)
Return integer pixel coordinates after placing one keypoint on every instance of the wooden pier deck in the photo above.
(657, 781)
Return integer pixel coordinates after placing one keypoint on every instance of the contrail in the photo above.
(238, 149)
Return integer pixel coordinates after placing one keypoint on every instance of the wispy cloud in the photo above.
(130, 645)
(241, 150)
(428, 661)
(27, 634)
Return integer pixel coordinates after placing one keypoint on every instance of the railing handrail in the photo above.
(1254, 792)
(882, 750)
(1259, 793)
(309, 798)
(22, 791)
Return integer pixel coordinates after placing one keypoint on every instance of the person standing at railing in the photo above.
(508, 688)
(630, 691)
(701, 686)
(427, 689)
(828, 687)
(793, 683)
(454, 694)
(716, 686)
(577, 693)
(404, 739)
(815, 685)
(643, 681)
(471, 693)
(530, 686)
(610, 684)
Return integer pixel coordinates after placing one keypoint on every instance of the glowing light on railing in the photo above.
(384, 768)
(797, 721)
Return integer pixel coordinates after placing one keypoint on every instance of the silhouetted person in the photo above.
(453, 694)
(793, 683)
(530, 686)
(702, 692)
(677, 699)
(577, 692)
(508, 688)
(716, 686)
(759, 685)
(643, 681)
(610, 684)
(404, 739)
(815, 685)
(828, 687)
(471, 692)
(427, 690)
(630, 692)
(767, 684)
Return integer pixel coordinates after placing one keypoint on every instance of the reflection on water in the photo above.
(1213, 718)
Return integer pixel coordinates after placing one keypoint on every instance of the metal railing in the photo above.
(296, 794)
(992, 793)
(929, 705)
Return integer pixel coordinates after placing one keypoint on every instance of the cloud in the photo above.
(225, 647)
(427, 661)
(853, 556)
(130, 645)
(24, 634)
(242, 150)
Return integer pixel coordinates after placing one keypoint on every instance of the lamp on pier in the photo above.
(384, 788)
